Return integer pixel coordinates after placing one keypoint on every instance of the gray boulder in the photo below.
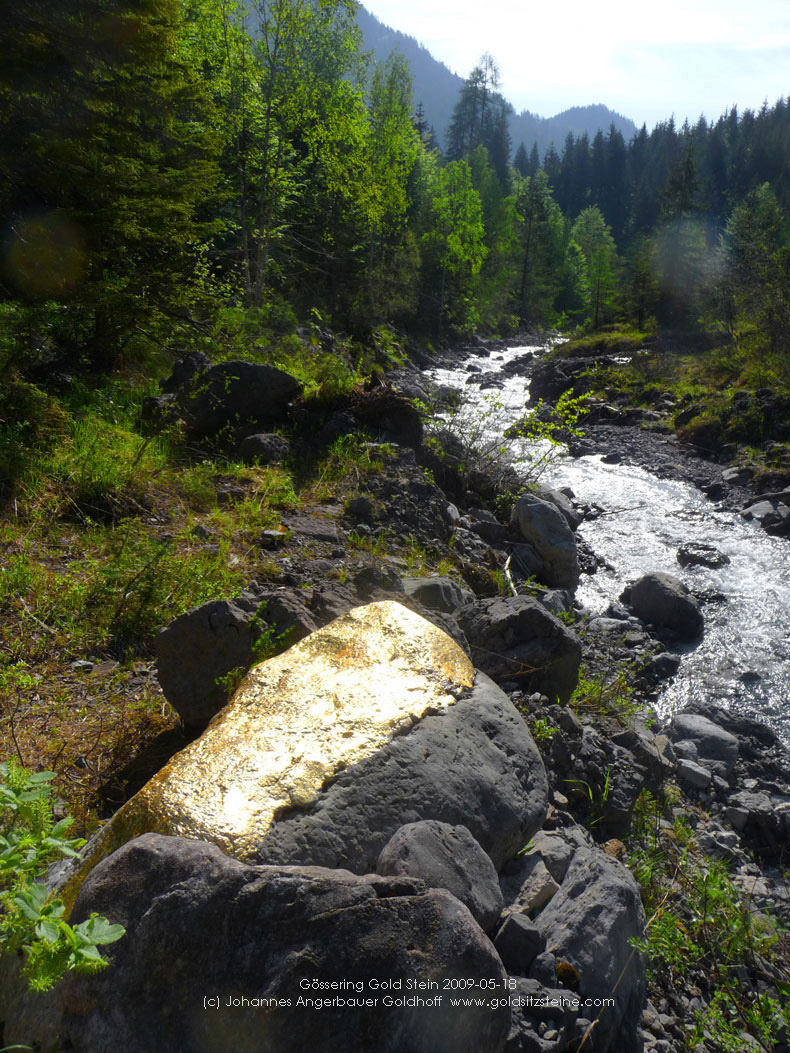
(662, 600)
(236, 392)
(516, 638)
(589, 923)
(438, 594)
(564, 504)
(772, 515)
(544, 526)
(196, 651)
(473, 763)
(716, 748)
(201, 925)
(693, 774)
(445, 857)
(263, 448)
(518, 943)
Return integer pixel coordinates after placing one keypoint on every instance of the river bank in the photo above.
(426, 527)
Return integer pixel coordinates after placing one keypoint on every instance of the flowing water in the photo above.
(743, 660)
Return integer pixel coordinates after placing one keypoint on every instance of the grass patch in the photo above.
(703, 932)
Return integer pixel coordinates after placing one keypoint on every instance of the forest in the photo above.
(190, 174)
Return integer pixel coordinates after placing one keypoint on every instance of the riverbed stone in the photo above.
(447, 857)
(693, 774)
(664, 601)
(545, 528)
(716, 748)
(200, 924)
(516, 639)
(697, 554)
(590, 923)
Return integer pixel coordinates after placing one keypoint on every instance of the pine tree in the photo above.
(108, 159)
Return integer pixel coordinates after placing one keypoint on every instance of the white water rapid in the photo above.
(743, 660)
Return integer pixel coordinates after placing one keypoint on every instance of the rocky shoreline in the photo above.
(484, 841)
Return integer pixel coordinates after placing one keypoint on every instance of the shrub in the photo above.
(30, 920)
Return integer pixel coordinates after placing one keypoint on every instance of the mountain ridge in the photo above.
(437, 88)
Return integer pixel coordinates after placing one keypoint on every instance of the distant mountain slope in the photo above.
(437, 88)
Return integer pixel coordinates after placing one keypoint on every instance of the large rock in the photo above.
(473, 763)
(196, 651)
(516, 638)
(662, 600)
(544, 526)
(589, 923)
(236, 392)
(445, 857)
(203, 926)
(370, 723)
(438, 593)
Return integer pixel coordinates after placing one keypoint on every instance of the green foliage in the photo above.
(545, 433)
(698, 920)
(30, 920)
(453, 245)
(594, 237)
(543, 732)
(605, 695)
(106, 241)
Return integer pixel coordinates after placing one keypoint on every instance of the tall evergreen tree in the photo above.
(107, 161)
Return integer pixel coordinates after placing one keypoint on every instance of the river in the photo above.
(742, 661)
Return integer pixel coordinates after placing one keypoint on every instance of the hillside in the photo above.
(437, 88)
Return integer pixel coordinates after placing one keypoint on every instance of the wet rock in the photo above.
(445, 857)
(590, 923)
(665, 602)
(773, 516)
(544, 527)
(516, 638)
(199, 922)
(236, 392)
(663, 666)
(697, 554)
(716, 748)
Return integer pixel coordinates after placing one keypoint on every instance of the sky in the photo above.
(681, 57)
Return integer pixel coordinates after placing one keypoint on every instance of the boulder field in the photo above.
(359, 825)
